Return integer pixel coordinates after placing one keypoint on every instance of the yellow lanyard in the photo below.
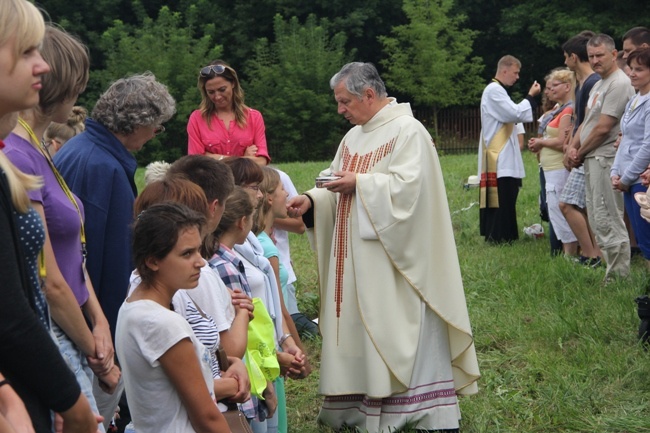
(64, 186)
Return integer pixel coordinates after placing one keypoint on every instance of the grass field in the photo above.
(557, 349)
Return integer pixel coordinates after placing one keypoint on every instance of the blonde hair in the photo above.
(268, 185)
(22, 21)
(19, 184)
(508, 61)
(564, 75)
(65, 131)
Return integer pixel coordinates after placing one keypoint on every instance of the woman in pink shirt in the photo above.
(223, 125)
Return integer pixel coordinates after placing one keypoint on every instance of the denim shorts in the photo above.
(79, 365)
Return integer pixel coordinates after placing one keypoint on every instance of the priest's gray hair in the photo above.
(359, 77)
(134, 101)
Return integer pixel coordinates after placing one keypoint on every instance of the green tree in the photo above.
(235, 25)
(289, 83)
(429, 59)
(550, 23)
(362, 21)
(167, 49)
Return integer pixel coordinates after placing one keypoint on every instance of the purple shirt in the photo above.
(61, 217)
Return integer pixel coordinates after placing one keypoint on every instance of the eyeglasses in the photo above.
(158, 130)
(252, 187)
(51, 143)
(212, 70)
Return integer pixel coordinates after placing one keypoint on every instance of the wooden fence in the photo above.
(459, 128)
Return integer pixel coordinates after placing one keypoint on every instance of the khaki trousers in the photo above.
(605, 211)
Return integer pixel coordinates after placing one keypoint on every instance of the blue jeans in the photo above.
(79, 365)
(640, 226)
(278, 422)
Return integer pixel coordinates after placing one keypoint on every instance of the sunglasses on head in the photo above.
(213, 70)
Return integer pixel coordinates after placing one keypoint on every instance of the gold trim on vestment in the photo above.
(489, 195)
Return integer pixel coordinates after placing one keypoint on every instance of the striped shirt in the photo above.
(205, 330)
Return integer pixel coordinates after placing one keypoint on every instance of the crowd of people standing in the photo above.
(178, 302)
(592, 147)
(198, 263)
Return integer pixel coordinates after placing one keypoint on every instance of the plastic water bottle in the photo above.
(129, 428)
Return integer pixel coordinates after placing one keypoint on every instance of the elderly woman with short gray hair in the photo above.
(99, 168)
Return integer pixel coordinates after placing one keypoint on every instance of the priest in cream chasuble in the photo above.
(397, 341)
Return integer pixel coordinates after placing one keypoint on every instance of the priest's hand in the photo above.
(298, 205)
(347, 184)
(535, 89)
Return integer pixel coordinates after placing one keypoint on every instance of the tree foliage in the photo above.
(167, 49)
(289, 83)
(429, 59)
(362, 21)
(429, 51)
(552, 23)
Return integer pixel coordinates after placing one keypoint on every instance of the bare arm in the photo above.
(104, 351)
(215, 156)
(234, 340)
(597, 135)
(293, 225)
(184, 372)
(556, 143)
(571, 153)
(260, 160)
(225, 387)
(237, 372)
(13, 410)
(291, 345)
(79, 418)
(63, 305)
